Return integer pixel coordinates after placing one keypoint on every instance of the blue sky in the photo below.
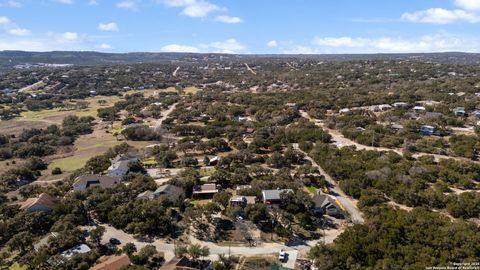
(241, 26)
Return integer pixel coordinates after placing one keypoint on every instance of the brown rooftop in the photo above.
(113, 263)
(43, 199)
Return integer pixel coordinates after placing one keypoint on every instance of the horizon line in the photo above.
(243, 54)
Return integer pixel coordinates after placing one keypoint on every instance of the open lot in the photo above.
(88, 146)
(57, 115)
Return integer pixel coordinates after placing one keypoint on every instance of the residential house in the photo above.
(213, 161)
(43, 203)
(427, 130)
(79, 249)
(242, 201)
(84, 182)
(344, 111)
(326, 205)
(396, 126)
(113, 263)
(432, 115)
(399, 105)
(146, 195)
(459, 111)
(205, 190)
(173, 193)
(273, 196)
(428, 102)
(120, 165)
(419, 109)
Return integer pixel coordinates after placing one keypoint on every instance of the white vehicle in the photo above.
(282, 256)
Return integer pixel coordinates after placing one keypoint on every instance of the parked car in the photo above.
(114, 241)
(282, 256)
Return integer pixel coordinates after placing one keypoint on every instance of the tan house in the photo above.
(205, 190)
(43, 203)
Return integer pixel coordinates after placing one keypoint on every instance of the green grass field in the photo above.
(69, 164)
(90, 111)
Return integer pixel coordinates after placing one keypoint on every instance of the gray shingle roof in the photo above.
(273, 194)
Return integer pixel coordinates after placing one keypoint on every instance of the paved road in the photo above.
(292, 258)
(215, 250)
(175, 72)
(347, 202)
(250, 69)
(340, 141)
(165, 114)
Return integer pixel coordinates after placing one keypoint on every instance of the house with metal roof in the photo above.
(205, 190)
(273, 196)
(79, 249)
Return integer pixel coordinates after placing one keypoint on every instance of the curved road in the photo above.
(347, 202)
(168, 248)
(160, 120)
(340, 141)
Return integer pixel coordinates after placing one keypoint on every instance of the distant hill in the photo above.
(10, 59)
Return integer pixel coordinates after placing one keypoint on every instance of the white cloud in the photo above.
(429, 43)
(12, 28)
(4, 20)
(10, 4)
(468, 4)
(70, 36)
(128, 4)
(66, 2)
(440, 16)
(301, 50)
(68, 41)
(228, 19)
(339, 41)
(272, 43)
(66, 37)
(193, 8)
(108, 27)
(19, 31)
(179, 48)
(105, 46)
(92, 3)
(227, 46)
(23, 45)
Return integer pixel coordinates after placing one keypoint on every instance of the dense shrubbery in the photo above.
(396, 239)
(409, 182)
